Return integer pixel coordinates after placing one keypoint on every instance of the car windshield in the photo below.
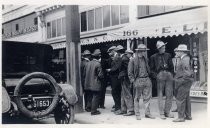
(21, 58)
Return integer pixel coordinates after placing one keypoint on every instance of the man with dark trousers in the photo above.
(183, 80)
(115, 82)
(127, 107)
(93, 77)
(162, 69)
(86, 56)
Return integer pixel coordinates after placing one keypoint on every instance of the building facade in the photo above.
(102, 26)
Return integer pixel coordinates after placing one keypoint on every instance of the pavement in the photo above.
(199, 115)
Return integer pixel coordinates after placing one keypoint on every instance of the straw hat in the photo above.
(119, 47)
(182, 47)
(141, 47)
(160, 44)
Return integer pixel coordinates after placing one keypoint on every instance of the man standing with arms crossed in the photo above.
(162, 69)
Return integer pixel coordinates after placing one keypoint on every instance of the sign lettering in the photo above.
(166, 30)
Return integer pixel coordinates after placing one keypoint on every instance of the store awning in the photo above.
(59, 45)
(179, 23)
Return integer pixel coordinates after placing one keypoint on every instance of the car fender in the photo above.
(6, 103)
(69, 93)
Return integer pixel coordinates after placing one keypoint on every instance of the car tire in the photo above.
(22, 107)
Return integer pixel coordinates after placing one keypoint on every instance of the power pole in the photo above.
(73, 52)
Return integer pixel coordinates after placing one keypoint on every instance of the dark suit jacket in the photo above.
(115, 65)
(124, 67)
(133, 68)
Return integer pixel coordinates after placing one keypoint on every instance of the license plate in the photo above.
(198, 93)
(43, 102)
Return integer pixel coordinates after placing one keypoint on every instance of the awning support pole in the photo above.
(73, 52)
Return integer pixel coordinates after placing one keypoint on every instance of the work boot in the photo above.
(169, 115)
(149, 116)
(188, 118)
(129, 114)
(179, 120)
(175, 110)
(162, 117)
(96, 113)
(119, 112)
(138, 117)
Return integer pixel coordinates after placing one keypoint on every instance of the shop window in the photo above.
(90, 20)
(142, 11)
(35, 21)
(2, 31)
(155, 9)
(124, 14)
(98, 18)
(16, 27)
(54, 28)
(115, 14)
(48, 29)
(58, 27)
(63, 26)
(83, 22)
(106, 16)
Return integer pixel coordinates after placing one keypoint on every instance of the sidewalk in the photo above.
(199, 115)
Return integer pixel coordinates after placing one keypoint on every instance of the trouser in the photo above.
(142, 86)
(126, 96)
(93, 100)
(116, 91)
(102, 94)
(87, 96)
(165, 82)
(183, 99)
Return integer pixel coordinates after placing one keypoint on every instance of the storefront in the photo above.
(185, 27)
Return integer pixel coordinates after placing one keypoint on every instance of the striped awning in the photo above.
(179, 23)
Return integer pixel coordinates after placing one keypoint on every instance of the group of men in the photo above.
(130, 77)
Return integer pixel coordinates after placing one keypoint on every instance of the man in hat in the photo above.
(127, 107)
(86, 56)
(183, 79)
(93, 77)
(175, 61)
(138, 73)
(162, 69)
(114, 73)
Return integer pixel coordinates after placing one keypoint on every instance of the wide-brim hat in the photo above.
(119, 47)
(141, 47)
(111, 48)
(86, 52)
(182, 47)
(129, 51)
(97, 52)
(160, 44)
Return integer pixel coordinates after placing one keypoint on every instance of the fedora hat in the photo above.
(182, 47)
(86, 52)
(111, 48)
(141, 47)
(97, 52)
(129, 51)
(160, 44)
(119, 47)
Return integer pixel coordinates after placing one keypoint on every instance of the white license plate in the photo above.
(43, 102)
(198, 93)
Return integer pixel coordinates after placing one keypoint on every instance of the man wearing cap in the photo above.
(86, 56)
(127, 107)
(138, 73)
(162, 70)
(183, 79)
(115, 82)
(93, 77)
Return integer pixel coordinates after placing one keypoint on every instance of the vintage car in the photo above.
(28, 89)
